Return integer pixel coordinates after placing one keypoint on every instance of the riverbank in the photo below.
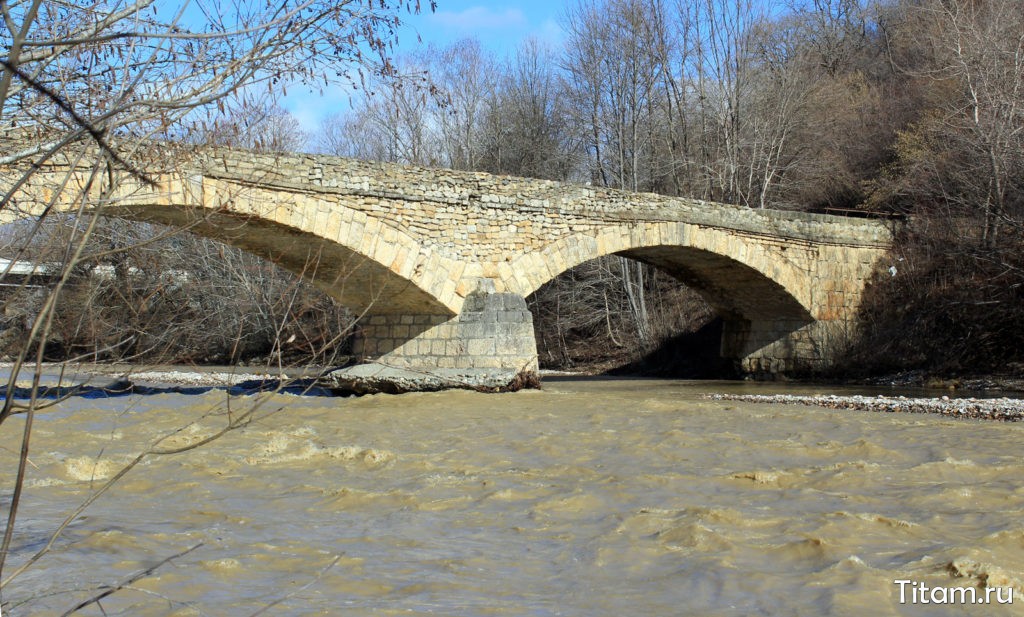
(100, 375)
(962, 383)
(1000, 409)
(221, 375)
(358, 379)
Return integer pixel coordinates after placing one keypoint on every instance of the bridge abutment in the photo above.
(778, 347)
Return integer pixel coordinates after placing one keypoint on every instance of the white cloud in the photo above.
(478, 18)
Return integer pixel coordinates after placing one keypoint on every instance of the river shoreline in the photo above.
(953, 383)
(59, 380)
(182, 375)
(186, 374)
(1004, 408)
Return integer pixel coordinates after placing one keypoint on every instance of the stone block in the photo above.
(471, 316)
(513, 346)
(476, 329)
(447, 288)
(480, 347)
(486, 361)
(405, 263)
(355, 233)
(386, 253)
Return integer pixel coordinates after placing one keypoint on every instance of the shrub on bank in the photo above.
(953, 305)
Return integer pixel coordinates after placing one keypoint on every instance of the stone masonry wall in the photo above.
(493, 331)
(771, 347)
(481, 217)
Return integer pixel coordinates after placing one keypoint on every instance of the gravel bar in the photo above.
(1001, 409)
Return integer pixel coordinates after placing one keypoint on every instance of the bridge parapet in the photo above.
(481, 216)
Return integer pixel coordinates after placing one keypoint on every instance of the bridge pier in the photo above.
(492, 333)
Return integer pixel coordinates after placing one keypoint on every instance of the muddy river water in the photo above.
(589, 498)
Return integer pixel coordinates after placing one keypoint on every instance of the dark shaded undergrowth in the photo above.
(688, 355)
(955, 305)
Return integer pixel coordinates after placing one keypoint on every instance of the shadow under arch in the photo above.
(734, 289)
(761, 296)
(754, 310)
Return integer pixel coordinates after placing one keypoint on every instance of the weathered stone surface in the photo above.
(375, 378)
(494, 330)
(433, 244)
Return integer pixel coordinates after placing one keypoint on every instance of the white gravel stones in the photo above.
(1003, 409)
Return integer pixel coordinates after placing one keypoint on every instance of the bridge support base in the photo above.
(491, 344)
(777, 348)
(490, 340)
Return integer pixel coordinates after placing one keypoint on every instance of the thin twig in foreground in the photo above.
(319, 576)
(128, 581)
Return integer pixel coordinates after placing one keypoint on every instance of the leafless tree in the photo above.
(612, 76)
(258, 125)
(837, 30)
(527, 130)
(967, 154)
(391, 119)
(464, 76)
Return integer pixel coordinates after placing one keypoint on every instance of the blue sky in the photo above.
(499, 26)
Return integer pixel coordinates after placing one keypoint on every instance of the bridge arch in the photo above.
(740, 279)
(754, 283)
(363, 262)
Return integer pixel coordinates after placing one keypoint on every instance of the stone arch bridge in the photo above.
(439, 262)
